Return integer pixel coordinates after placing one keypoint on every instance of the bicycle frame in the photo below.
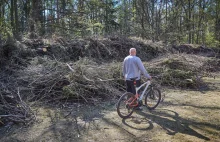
(138, 96)
(147, 83)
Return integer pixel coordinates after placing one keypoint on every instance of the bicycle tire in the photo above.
(153, 98)
(123, 110)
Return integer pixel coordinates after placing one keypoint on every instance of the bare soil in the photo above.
(183, 116)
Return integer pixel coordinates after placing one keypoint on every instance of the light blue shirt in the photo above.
(133, 67)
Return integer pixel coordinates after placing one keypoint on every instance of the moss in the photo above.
(181, 74)
(155, 71)
(68, 91)
(174, 77)
(175, 64)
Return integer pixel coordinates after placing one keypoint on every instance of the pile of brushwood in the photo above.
(36, 71)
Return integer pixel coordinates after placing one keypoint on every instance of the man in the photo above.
(133, 67)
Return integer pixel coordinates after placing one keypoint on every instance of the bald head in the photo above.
(132, 51)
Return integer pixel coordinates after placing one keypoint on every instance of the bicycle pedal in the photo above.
(138, 108)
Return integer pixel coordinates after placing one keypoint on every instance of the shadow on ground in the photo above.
(171, 122)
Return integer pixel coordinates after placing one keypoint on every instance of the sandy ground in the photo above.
(184, 116)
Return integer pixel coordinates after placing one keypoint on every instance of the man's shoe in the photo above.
(138, 108)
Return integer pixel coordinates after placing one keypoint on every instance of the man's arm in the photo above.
(142, 68)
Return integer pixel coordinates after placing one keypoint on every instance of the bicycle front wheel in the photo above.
(153, 98)
(124, 107)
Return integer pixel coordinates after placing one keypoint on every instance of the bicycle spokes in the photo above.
(153, 98)
(124, 106)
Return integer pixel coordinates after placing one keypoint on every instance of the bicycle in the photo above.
(128, 101)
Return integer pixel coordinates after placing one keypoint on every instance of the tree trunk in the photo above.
(12, 16)
(189, 22)
(58, 12)
(217, 21)
(17, 32)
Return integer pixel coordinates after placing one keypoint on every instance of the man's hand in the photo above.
(149, 77)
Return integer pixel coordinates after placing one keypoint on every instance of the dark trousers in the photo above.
(130, 85)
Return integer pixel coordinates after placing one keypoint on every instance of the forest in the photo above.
(61, 69)
(182, 21)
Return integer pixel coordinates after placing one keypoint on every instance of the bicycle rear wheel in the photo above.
(125, 110)
(152, 98)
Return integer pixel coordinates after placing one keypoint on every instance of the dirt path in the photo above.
(184, 116)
